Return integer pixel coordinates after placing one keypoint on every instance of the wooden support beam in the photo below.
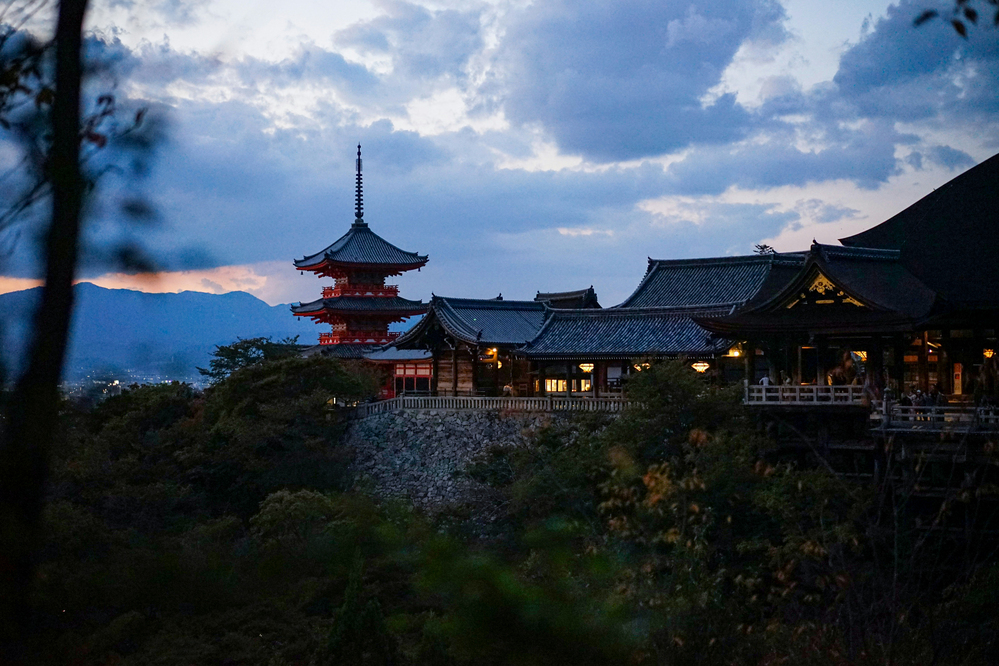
(924, 368)
(435, 371)
(749, 351)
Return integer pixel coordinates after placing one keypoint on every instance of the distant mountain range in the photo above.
(139, 336)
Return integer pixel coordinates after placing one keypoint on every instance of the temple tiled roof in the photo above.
(360, 305)
(949, 239)
(478, 321)
(863, 290)
(625, 333)
(392, 354)
(360, 246)
(583, 298)
(712, 282)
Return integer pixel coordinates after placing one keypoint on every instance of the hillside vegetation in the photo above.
(221, 528)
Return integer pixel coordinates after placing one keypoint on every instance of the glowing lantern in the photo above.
(988, 353)
(701, 366)
(586, 367)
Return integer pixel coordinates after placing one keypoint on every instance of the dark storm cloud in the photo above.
(865, 155)
(622, 80)
(950, 157)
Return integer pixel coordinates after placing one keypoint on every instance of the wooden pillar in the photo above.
(541, 379)
(749, 350)
(434, 371)
(944, 375)
(924, 366)
(568, 380)
(475, 371)
(821, 350)
(875, 364)
(595, 379)
(898, 351)
(943, 367)
(797, 368)
(454, 371)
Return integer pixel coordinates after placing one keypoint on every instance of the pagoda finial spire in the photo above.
(359, 195)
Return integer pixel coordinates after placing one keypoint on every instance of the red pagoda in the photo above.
(359, 306)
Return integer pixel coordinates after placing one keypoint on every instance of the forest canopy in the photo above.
(225, 526)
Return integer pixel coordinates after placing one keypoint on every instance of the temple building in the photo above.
(471, 342)
(910, 303)
(359, 306)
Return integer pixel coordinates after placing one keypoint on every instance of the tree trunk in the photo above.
(35, 402)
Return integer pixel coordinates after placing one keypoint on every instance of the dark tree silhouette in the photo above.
(34, 404)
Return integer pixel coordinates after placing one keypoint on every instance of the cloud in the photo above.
(624, 80)
(950, 157)
(419, 43)
(586, 103)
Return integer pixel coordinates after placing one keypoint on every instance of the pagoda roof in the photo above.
(625, 333)
(712, 282)
(361, 247)
(582, 298)
(949, 239)
(481, 321)
(395, 305)
(838, 290)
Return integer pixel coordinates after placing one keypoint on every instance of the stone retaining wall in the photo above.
(420, 455)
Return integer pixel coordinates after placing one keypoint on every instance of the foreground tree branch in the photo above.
(34, 405)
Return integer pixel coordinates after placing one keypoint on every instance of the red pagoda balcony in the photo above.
(357, 338)
(380, 290)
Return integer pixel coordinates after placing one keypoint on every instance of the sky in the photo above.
(525, 146)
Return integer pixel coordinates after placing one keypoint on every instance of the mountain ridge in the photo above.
(147, 336)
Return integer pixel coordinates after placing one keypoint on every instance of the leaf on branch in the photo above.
(959, 27)
(971, 14)
(925, 16)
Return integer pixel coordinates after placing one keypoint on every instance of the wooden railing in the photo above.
(804, 395)
(382, 291)
(939, 418)
(474, 403)
(357, 337)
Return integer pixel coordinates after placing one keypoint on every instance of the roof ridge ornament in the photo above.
(359, 195)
